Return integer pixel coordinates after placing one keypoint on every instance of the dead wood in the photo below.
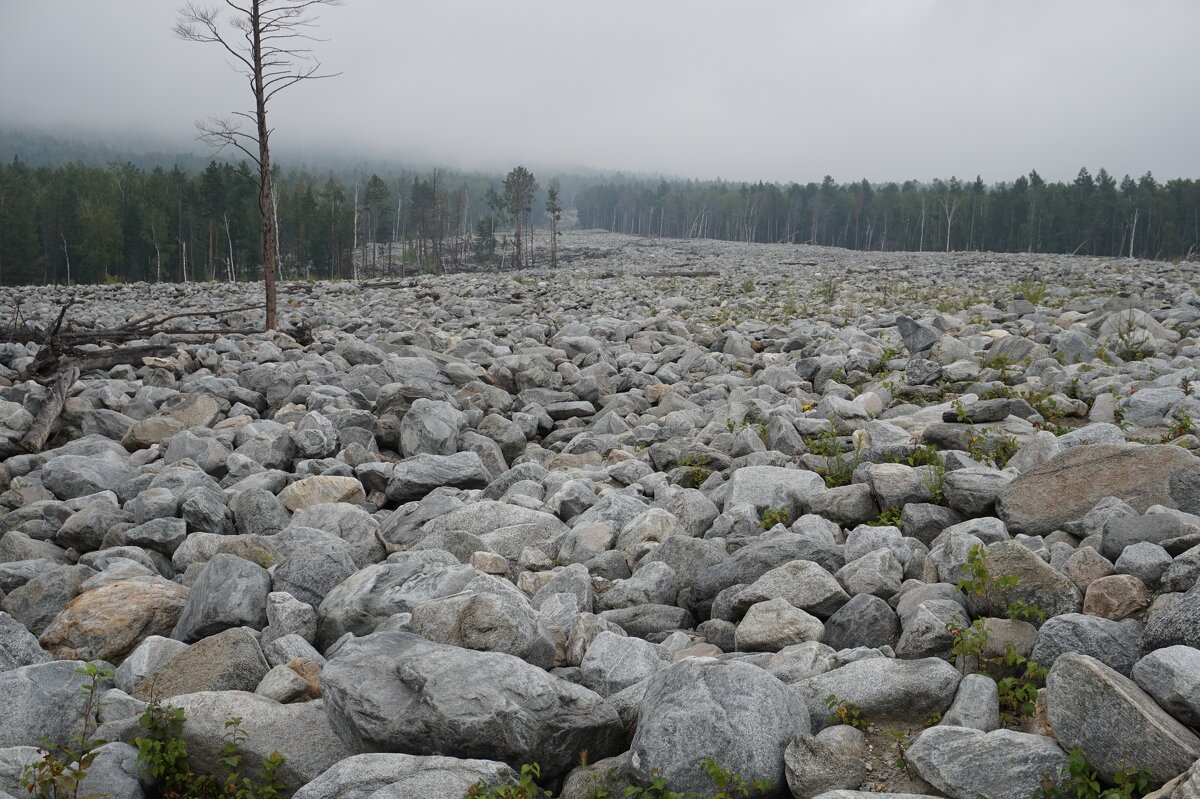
(35, 439)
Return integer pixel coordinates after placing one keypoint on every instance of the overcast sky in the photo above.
(740, 89)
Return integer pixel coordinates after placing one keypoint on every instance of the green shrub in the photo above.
(774, 516)
(1078, 780)
(60, 772)
(845, 712)
(165, 759)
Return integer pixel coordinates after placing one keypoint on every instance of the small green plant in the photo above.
(899, 746)
(1019, 693)
(844, 712)
(165, 759)
(839, 467)
(828, 291)
(1180, 425)
(887, 518)
(727, 784)
(1020, 610)
(747, 287)
(977, 577)
(988, 445)
(698, 470)
(969, 641)
(1032, 289)
(935, 482)
(1078, 780)
(924, 455)
(774, 516)
(60, 772)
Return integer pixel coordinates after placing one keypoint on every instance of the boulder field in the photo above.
(849, 523)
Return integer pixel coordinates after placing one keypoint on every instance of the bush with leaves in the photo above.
(60, 772)
(165, 759)
(1078, 780)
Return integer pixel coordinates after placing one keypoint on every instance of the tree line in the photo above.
(1096, 215)
(84, 223)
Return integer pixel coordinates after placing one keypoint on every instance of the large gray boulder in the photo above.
(756, 559)
(802, 583)
(884, 689)
(370, 596)
(1178, 623)
(1064, 489)
(18, 646)
(1116, 644)
(966, 763)
(774, 488)
(71, 476)
(380, 775)
(42, 701)
(505, 529)
(733, 712)
(486, 622)
(300, 732)
(229, 592)
(228, 661)
(398, 691)
(431, 428)
(1172, 676)
(834, 758)
(415, 477)
(1037, 583)
(614, 662)
(1116, 724)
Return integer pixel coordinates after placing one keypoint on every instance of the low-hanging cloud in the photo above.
(762, 90)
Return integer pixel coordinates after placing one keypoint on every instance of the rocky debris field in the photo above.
(841, 521)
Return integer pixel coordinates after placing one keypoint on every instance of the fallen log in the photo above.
(35, 439)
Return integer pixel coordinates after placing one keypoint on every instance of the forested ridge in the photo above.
(86, 221)
(1094, 215)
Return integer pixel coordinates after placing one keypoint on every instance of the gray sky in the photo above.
(741, 89)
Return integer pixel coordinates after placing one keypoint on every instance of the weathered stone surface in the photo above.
(396, 775)
(885, 689)
(299, 732)
(1178, 623)
(699, 706)
(40, 702)
(229, 592)
(1051, 496)
(415, 477)
(398, 691)
(18, 646)
(966, 763)
(320, 490)
(108, 622)
(1172, 676)
(374, 594)
(488, 623)
(1037, 583)
(770, 626)
(1113, 721)
(832, 759)
(228, 661)
(1116, 644)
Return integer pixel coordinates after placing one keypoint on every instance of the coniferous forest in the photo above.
(117, 222)
(1093, 214)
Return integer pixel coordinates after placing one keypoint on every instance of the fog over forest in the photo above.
(770, 90)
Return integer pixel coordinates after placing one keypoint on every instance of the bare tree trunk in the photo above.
(230, 269)
(67, 255)
(353, 251)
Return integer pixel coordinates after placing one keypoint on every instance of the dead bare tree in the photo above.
(265, 39)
